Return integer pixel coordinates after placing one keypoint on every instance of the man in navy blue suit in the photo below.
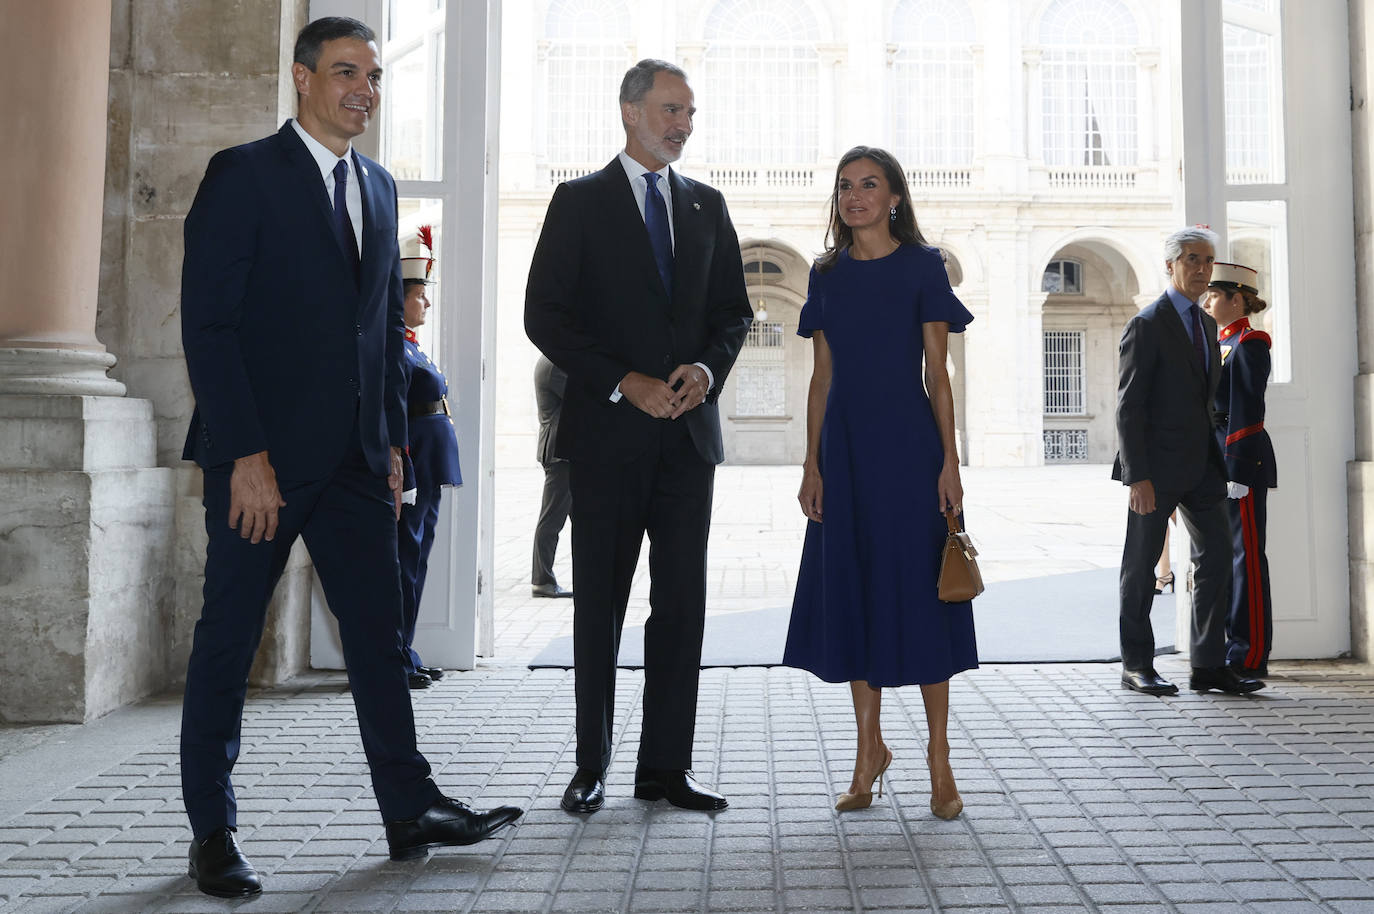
(291, 310)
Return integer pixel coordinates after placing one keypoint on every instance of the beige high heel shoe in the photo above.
(946, 809)
(864, 798)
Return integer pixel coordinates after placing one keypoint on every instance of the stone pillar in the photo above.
(1360, 471)
(52, 173)
(87, 521)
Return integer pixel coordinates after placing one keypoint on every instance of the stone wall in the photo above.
(1361, 470)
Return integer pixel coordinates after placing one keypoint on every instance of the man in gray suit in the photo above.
(1168, 455)
(549, 383)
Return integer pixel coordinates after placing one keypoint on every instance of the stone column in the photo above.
(87, 520)
(52, 179)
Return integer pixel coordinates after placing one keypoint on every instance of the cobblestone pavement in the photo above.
(1079, 796)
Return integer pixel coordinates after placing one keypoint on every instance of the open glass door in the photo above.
(1266, 163)
(436, 133)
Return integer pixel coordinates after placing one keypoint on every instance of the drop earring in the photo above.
(892, 216)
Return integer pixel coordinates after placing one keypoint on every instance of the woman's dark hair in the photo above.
(839, 237)
(1253, 303)
(311, 39)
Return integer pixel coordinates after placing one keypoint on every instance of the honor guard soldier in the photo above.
(1232, 296)
(433, 448)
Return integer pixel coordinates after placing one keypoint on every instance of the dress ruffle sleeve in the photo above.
(937, 300)
(813, 312)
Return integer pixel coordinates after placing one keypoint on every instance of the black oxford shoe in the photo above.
(220, 869)
(586, 791)
(448, 823)
(1148, 682)
(418, 680)
(678, 787)
(433, 672)
(549, 590)
(1223, 679)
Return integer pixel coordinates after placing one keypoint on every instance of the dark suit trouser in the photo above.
(349, 527)
(665, 493)
(415, 539)
(1204, 514)
(1251, 629)
(554, 508)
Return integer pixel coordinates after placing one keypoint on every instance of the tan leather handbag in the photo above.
(960, 578)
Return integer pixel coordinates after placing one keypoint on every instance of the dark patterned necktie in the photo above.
(343, 225)
(1199, 343)
(656, 221)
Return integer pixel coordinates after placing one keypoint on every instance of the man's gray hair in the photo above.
(639, 79)
(1193, 234)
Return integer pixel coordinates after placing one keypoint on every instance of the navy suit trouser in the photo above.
(1204, 514)
(415, 539)
(665, 493)
(347, 521)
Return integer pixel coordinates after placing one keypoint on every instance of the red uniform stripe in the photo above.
(1244, 433)
(1253, 590)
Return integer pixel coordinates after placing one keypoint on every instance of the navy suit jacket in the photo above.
(1164, 420)
(596, 306)
(286, 344)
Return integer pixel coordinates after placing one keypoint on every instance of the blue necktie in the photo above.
(1199, 344)
(656, 221)
(343, 226)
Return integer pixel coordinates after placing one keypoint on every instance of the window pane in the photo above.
(413, 105)
(586, 52)
(932, 87)
(1254, 125)
(1088, 80)
(1257, 235)
(412, 213)
(1064, 372)
(760, 372)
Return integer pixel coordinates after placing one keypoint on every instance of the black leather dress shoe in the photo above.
(678, 787)
(1251, 672)
(433, 672)
(220, 869)
(448, 823)
(549, 590)
(418, 680)
(586, 791)
(1147, 681)
(1223, 679)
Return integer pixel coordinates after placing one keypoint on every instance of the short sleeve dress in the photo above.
(866, 605)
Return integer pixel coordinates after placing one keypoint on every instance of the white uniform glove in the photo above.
(1236, 490)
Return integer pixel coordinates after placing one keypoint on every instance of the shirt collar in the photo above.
(324, 156)
(1233, 328)
(635, 171)
(1180, 302)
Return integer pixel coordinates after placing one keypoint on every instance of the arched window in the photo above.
(586, 55)
(762, 83)
(1063, 276)
(1089, 83)
(932, 90)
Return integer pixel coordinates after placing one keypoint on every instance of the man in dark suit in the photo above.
(636, 290)
(292, 327)
(1168, 455)
(556, 503)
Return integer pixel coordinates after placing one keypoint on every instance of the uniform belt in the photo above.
(430, 409)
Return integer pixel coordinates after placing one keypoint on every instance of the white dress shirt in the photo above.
(640, 186)
(353, 193)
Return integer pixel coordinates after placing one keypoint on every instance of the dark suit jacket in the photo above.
(285, 344)
(1164, 420)
(549, 384)
(596, 306)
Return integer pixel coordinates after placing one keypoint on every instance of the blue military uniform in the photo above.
(1249, 456)
(433, 453)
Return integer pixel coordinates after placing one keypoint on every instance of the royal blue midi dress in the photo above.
(866, 605)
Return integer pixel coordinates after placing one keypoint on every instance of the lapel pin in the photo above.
(696, 206)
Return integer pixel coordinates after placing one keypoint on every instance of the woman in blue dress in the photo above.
(881, 467)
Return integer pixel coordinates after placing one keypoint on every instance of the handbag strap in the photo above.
(952, 520)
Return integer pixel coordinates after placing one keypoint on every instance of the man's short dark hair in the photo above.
(639, 79)
(313, 36)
